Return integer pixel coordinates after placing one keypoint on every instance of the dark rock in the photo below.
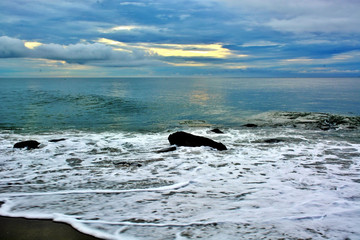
(164, 150)
(189, 140)
(273, 140)
(250, 125)
(216, 130)
(57, 140)
(30, 144)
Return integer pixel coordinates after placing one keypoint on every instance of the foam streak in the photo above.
(86, 191)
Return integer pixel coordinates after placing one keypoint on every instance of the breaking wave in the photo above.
(285, 178)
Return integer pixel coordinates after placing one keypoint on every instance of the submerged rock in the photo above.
(190, 140)
(164, 150)
(216, 130)
(273, 140)
(306, 120)
(57, 140)
(335, 121)
(29, 144)
(250, 125)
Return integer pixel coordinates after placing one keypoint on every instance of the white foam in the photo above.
(85, 229)
(99, 191)
(119, 187)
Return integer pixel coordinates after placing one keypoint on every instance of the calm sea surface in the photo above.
(152, 104)
(294, 176)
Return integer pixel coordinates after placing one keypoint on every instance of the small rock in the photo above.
(190, 140)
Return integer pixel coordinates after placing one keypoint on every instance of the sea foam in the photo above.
(301, 186)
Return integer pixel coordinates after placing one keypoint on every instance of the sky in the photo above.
(238, 38)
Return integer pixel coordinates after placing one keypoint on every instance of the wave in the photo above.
(272, 119)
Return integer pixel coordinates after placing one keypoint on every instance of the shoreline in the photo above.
(19, 228)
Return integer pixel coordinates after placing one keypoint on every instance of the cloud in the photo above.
(132, 29)
(314, 24)
(176, 50)
(322, 16)
(139, 4)
(192, 50)
(74, 53)
(192, 35)
(118, 28)
(186, 55)
(61, 22)
(12, 48)
(261, 43)
(346, 63)
(97, 54)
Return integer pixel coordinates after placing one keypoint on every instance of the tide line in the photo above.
(149, 224)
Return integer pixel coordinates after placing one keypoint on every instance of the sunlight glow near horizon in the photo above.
(178, 50)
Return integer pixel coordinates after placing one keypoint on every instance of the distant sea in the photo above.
(291, 171)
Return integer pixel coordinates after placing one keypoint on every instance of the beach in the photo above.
(38, 229)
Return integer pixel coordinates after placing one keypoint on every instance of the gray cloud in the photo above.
(75, 53)
(82, 53)
(12, 48)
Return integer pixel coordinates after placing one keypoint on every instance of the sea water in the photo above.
(294, 176)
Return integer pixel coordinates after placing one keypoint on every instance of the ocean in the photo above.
(291, 169)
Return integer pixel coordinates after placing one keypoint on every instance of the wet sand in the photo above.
(36, 229)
